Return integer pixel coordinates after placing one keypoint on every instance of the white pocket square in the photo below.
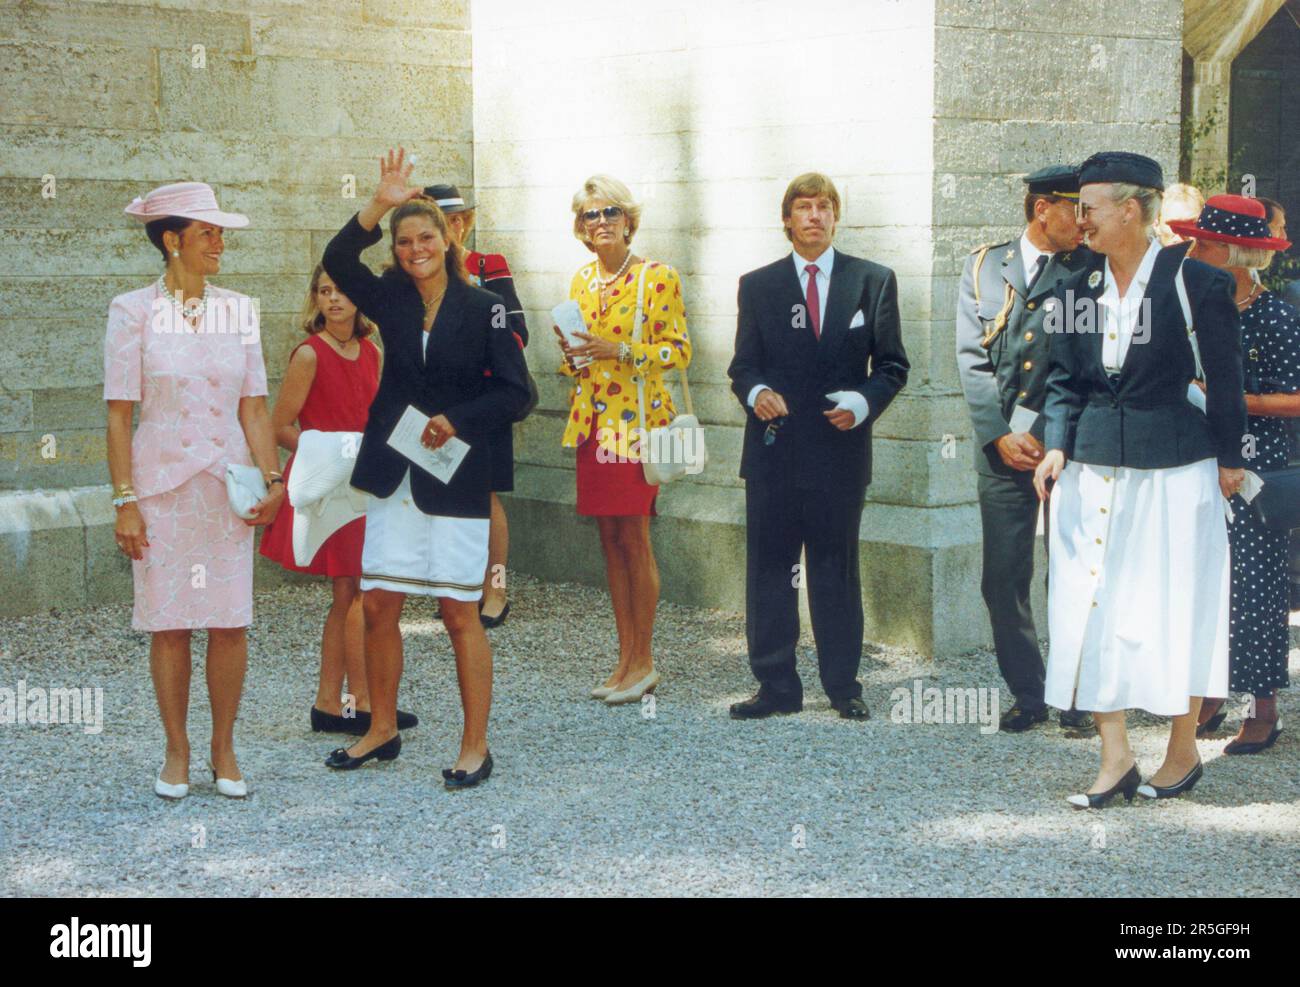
(858, 320)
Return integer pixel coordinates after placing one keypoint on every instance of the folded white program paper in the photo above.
(568, 319)
(442, 462)
(1022, 419)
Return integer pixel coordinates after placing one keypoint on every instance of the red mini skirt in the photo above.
(612, 489)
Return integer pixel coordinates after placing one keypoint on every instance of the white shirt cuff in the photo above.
(754, 392)
(851, 401)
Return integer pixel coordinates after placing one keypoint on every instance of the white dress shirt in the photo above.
(1029, 255)
(849, 400)
(1120, 316)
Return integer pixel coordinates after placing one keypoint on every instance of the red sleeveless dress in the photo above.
(339, 401)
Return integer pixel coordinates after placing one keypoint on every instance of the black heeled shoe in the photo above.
(452, 780)
(1189, 781)
(1129, 784)
(1214, 722)
(358, 725)
(498, 620)
(340, 760)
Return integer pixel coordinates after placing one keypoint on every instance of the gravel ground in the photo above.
(591, 800)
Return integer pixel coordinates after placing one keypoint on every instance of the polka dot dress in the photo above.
(1258, 636)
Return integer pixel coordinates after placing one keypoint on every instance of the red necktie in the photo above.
(814, 302)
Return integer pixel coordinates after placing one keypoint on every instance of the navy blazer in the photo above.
(473, 373)
(1143, 419)
(776, 349)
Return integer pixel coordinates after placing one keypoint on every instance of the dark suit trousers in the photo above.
(1009, 512)
(780, 521)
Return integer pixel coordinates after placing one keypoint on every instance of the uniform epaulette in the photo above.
(990, 246)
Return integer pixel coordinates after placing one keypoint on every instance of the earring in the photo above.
(176, 253)
(627, 235)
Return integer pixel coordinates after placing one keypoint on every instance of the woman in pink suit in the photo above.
(189, 353)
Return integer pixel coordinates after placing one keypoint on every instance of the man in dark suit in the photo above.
(1004, 295)
(819, 356)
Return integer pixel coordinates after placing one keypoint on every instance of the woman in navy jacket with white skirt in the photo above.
(446, 358)
(1138, 589)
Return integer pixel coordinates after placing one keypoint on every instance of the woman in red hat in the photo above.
(1232, 233)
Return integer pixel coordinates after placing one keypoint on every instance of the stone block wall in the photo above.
(274, 103)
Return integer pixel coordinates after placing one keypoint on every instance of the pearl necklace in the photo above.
(190, 311)
(606, 282)
(1254, 293)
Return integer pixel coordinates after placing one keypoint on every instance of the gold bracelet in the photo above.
(122, 489)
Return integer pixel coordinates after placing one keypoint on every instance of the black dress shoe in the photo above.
(452, 780)
(764, 703)
(1255, 746)
(322, 722)
(1173, 791)
(357, 724)
(1128, 785)
(496, 621)
(851, 709)
(340, 760)
(1214, 722)
(1017, 720)
(1077, 719)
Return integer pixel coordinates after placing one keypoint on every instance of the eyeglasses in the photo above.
(593, 216)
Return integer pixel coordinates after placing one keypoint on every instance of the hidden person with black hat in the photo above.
(1002, 360)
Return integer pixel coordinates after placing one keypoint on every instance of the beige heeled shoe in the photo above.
(601, 691)
(633, 693)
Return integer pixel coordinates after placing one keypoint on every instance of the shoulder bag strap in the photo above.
(1186, 304)
(636, 338)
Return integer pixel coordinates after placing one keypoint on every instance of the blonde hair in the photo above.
(611, 190)
(1148, 200)
(422, 205)
(808, 185)
(313, 319)
(1180, 194)
(1251, 258)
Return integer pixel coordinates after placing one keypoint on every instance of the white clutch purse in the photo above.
(245, 489)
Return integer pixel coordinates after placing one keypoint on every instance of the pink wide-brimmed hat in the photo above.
(186, 200)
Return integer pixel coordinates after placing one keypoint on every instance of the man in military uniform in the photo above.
(1006, 292)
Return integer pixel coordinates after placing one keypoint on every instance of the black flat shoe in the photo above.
(1130, 783)
(452, 780)
(1079, 720)
(387, 751)
(1017, 720)
(496, 621)
(763, 704)
(851, 709)
(1189, 781)
(358, 724)
(1255, 746)
(322, 722)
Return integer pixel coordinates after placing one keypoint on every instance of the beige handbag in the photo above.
(677, 449)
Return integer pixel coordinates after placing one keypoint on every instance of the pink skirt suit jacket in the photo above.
(198, 568)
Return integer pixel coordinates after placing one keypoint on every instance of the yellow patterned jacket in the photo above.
(603, 399)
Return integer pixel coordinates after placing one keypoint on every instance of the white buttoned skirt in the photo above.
(1138, 599)
(408, 551)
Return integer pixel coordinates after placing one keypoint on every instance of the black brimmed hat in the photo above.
(449, 198)
(1059, 180)
(1122, 166)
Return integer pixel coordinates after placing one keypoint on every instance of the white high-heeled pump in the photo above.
(165, 790)
(633, 693)
(228, 787)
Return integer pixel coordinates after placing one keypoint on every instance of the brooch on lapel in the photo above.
(1094, 279)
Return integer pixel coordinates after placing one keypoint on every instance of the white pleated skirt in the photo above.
(1138, 599)
(408, 551)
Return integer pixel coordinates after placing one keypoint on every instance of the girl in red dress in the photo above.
(332, 378)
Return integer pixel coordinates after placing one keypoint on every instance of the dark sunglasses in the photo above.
(611, 213)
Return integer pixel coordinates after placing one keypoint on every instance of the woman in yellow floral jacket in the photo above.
(604, 419)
